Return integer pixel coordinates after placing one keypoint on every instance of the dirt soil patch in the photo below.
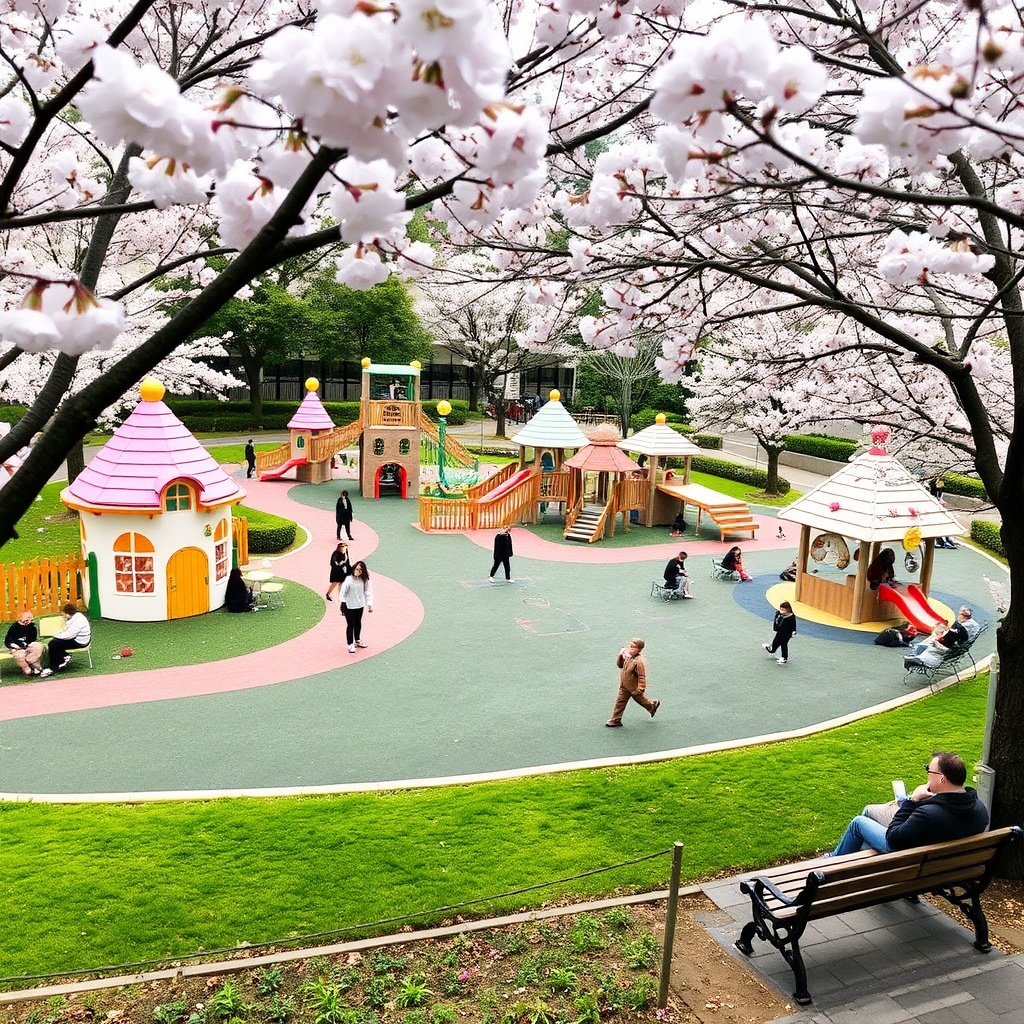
(586, 968)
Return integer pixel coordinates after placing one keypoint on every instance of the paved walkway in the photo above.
(899, 963)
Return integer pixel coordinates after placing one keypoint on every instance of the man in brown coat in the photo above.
(632, 683)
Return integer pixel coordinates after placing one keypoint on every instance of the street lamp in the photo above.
(444, 407)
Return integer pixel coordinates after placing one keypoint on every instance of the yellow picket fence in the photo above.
(43, 586)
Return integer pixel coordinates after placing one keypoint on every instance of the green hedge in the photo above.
(821, 446)
(268, 533)
(458, 415)
(733, 471)
(968, 486)
(645, 417)
(11, 413)
(987, 535)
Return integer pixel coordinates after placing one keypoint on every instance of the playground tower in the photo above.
(391, 415)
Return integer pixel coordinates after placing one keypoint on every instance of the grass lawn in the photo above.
(90, 885)
(46, 530)
(735, 489)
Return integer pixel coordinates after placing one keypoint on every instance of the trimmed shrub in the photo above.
(732, 471)
(967, 486)
(821, 446)
(268, 533)
(458, 415)
(206, 415)
(987, 535)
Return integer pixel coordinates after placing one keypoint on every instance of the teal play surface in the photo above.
(497, 678)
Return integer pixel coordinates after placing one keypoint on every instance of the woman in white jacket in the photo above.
(356, 594)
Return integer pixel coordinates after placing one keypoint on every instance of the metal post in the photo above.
(670, 924)
(986, 775)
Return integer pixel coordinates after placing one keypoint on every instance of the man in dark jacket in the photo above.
(937, 811)
(502, 552)
(250, 459)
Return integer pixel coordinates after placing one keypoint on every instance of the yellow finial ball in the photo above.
(312, 383)
(444, 407)
(365, 362)
(416, 364)
(660, 418)
(152, 390)
(555, 395)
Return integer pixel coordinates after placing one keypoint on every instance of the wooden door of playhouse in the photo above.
(188, 583)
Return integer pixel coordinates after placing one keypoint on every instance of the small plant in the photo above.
(227, 1001)
(324, 999)
(348, 978)
(609, 993)
(279, 1009)
(443, 1014)
(642, 952)
(171, 1013)
(376, 992)
(382, 962)
(531, 970)
(588, 1009)
(618, 917)
(412, 991)
(196, 1017)
(585, 935)
(562, 979)
(415, 1017)
(269, 981)
(539, 1013)
(638, 996)
(516, 944)
(56, 1003)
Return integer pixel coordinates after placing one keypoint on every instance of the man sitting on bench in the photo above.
(936, 812)
(676, 576)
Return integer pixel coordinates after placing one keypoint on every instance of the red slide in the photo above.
(914, 606)
(504, 488)
(273, 474)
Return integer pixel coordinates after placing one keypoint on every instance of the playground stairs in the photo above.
(588, 525)
(732, 519)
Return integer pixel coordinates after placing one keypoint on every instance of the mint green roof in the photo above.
(387, 370)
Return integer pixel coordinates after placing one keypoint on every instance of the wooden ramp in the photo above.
(728, 514)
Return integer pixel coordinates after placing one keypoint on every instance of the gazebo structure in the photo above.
(875, 502)
(618, 487)
(659, 443)
(550, 433)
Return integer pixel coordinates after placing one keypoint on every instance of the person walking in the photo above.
(356, 595)
(341, 567)
(343, 514)
(784, 626)
(250, 459)
(502, 552)
(632, 682)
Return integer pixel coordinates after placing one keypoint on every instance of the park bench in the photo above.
(950, 664)
(792, 895)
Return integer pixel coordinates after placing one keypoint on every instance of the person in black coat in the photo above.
(343, 514)
(502, 552)
(938, 811)
(238, 597)
(784, 626)
(676, 576)
(340, 568)
(250, 459)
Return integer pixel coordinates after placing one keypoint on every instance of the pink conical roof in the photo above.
(147, 452)
(311, 414)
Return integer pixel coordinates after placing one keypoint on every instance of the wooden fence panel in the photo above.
(43, 586)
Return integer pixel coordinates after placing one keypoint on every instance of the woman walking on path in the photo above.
(356, 595)
(343, 514)
(784, 626)
(340, 568)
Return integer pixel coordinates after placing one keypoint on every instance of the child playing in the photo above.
(784, 626)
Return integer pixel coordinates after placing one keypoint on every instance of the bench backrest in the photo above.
(849, 885)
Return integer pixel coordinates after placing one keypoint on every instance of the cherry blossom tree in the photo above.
(138, 140)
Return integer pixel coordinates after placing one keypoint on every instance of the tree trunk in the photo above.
(75, 461)
(1006, 752)
(772, 487)
(500, 404)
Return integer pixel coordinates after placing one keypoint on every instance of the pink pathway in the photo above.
(397, 615)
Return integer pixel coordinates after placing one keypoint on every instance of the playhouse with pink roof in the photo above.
(156, 519)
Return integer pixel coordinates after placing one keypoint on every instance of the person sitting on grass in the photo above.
(76, 634)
